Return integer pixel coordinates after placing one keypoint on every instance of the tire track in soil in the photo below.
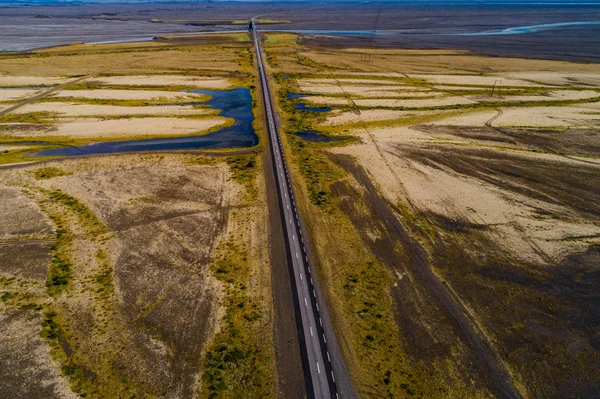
(488, 363)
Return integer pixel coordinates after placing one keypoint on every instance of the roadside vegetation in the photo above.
(236, 365)
(424, 197)
(358, 285)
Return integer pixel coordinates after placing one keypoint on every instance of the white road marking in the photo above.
(318, 368)
(328, 358)
(320, 322)
(333, 378)
(306, 303)
(300, 276)
(311, 333)
(296, 255)
(324, 339)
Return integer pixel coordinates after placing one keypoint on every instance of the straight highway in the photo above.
(319, 373)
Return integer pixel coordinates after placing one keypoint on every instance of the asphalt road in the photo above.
(320, 373)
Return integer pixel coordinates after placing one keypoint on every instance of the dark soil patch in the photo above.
(431, 320)
(575, 186)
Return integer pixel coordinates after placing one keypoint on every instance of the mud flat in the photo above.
(470, 227)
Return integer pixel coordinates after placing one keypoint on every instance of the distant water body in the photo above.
(516, 30)
(521, 30)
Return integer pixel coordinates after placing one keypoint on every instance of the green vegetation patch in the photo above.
(281, 39)
(20, 293)
(318, 172)
(49, 172)
(235, 365)
(29, 117)
(89, 221)
(243, 170)
(127, 103)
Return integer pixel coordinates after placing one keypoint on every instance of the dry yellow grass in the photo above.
(75, 60)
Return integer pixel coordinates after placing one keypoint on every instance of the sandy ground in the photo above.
(549, 96)
(548, 117)
(351, 81)
(166, 80)
(505, 217)
(558, 78)
(434, 189)
(434, 102)
(371, 115)
(4, 147)
(572, 116)
(445, 88)
(103, 129)
(126, 94)
(16, 94)
(328, 88)
(367, 91)
(7, 80)
(471, 80)
(76, 109)
(383, 74)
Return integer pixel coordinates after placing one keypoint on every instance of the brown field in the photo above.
(469, 222)
(131, 275)
(141, 304)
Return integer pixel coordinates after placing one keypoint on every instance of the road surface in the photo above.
(320, 374)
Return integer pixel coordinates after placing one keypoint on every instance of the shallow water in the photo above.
(236, 103)
(520, 30)
(311, 135)
(304, 107)
(297, 95)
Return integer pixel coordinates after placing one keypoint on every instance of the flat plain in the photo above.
(465, 190)
(450, 200)
(132, 275)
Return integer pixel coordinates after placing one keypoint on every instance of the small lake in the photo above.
(236, 103)
(311, 135)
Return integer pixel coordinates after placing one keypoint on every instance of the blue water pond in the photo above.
(236, 103)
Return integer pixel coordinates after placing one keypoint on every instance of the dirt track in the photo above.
(394, 235)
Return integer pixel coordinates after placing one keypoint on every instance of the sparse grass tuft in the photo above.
(49, 173)
(29, 117)
(243, 170)
(234, 366)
